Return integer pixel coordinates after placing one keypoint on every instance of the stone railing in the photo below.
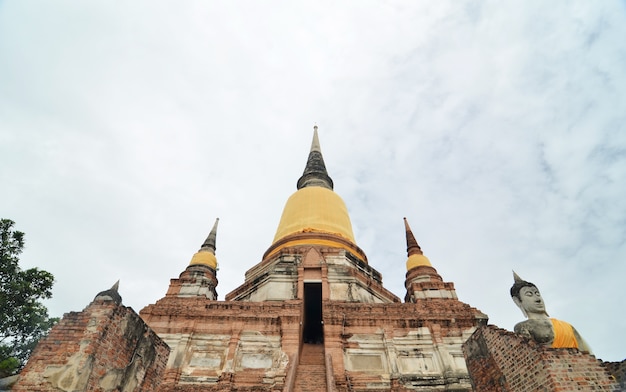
(290, 380)
(330, 376)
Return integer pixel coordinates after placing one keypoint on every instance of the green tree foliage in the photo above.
(23, 318)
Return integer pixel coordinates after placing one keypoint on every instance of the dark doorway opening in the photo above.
(313, 327)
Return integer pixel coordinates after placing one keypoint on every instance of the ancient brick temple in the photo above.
(313, 315)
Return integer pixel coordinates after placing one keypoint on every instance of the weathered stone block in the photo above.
(106, 347)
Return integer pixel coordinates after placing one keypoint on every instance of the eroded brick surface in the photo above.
(500, 360)
(106, 347)
(373, 341)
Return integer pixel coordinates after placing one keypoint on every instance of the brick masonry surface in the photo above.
(106, 347)
(500, 360)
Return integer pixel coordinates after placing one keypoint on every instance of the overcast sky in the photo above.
(497, 129)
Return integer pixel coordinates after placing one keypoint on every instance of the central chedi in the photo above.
(313, 314)
(315, 214)
(314, 250)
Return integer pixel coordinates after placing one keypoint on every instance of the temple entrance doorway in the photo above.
(313, 331)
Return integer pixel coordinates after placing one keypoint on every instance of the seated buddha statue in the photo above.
(539, 326)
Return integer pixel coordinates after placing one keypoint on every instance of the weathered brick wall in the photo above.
(223, 346)
(399, 347)
(106, 347)
(618, 370)
(500, 360)
(375, 342)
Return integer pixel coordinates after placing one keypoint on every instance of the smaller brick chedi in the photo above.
(106, 347)
(313, 314)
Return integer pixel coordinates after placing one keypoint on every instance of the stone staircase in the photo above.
(311, 373)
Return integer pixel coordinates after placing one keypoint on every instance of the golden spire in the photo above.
(206, 254)
(414, 252)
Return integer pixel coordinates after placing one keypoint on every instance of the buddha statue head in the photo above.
(528, 298)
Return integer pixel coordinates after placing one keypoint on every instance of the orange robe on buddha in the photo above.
(563, 335)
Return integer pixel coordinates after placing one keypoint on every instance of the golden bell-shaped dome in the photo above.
(417, 260)
(204, 257)
(315, 209)
(315, 215)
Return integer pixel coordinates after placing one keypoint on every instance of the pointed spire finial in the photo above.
(412, 247)
(516, 278)
(209, 243)
(315, 144)
(110, 294)
(315, 173)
